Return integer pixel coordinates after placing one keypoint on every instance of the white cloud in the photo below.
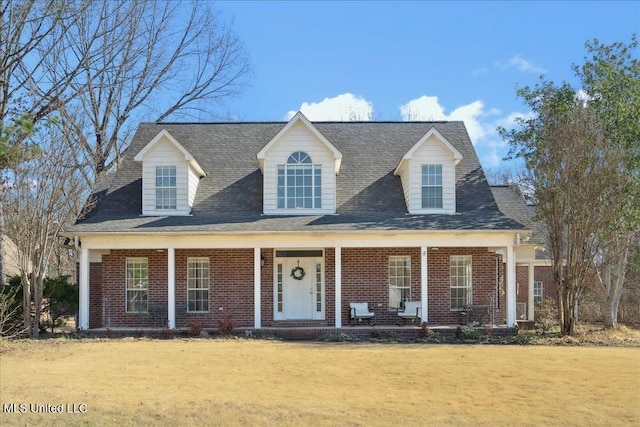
(482, 124)
(522, 64)
(428, 108)
(583, 97)
(342, 108)
(509, 121)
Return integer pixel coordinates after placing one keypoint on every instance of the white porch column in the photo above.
(171, 290)
(510, 261)
(338, 284)
(424, 283)
(257, 271)
(530, 303)
(83, 311)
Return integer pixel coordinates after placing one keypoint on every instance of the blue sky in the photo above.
(414, 60)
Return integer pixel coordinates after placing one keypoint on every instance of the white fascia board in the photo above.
(457, 156)
(299, 117)
(301, 240)
(187, 155)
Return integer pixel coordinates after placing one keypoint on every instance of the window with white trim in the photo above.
(166, 187)
(137, 285)
(432, 186)
(399, 281)
(537, 292)
(198, 280)
(460, 281)
(299, 183)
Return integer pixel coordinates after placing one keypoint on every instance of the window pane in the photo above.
(299, 183)
(198, 281)
(399, 281)
(432, 186)
(460, 281)
(137, 285)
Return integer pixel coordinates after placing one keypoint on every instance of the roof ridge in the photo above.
(319, 122)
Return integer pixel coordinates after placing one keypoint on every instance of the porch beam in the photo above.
(257, 271)
(338, 286)
(424, 283)
(511, 286)
(83, 309)
(171, 288)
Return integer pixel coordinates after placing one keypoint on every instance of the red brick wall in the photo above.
(522, 283)
(113, 288)
(231, 287)
(96, 307)
(266, 287)
(364, 278)
(484, 267)
(330, 286)
(544, 274)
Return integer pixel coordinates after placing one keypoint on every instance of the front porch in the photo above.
(257, 288)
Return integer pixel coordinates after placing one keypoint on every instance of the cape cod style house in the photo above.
(282, 224)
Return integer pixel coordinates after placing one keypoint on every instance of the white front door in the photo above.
(299, 288)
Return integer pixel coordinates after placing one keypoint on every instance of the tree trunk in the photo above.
(37, 300)
(612, 283)
(26, 304)
(567, 309)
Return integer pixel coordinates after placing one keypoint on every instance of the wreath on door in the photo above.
(297, 272)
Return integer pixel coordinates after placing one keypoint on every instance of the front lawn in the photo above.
(255, 382)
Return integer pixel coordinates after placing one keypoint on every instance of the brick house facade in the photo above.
(278, 224)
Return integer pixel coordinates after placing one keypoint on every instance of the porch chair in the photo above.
(359, 311)
(412, 310)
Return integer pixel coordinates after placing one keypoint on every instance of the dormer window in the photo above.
(165, 187)
(432, 186)
(299, 183)
(428, 175)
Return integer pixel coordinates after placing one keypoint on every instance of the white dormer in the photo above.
(428, 174)
(299, 167)
(170, 176)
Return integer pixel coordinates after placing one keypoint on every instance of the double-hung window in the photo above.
(399, 281)
(432, 186)
(460, 281)
(299, 183)
(165, 187)
(198, 280)
(137, 278)
(537, 292)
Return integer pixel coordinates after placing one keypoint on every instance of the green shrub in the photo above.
(469, 333)
(62, 298)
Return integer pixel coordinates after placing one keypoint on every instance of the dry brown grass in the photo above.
(250, 382)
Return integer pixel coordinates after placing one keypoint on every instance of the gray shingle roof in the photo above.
(229, 199)
(513, 204)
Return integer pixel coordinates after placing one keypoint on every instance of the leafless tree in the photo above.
(150, 60)
(43, 195)
(33, 39)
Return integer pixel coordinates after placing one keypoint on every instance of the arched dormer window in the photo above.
(299, 183)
